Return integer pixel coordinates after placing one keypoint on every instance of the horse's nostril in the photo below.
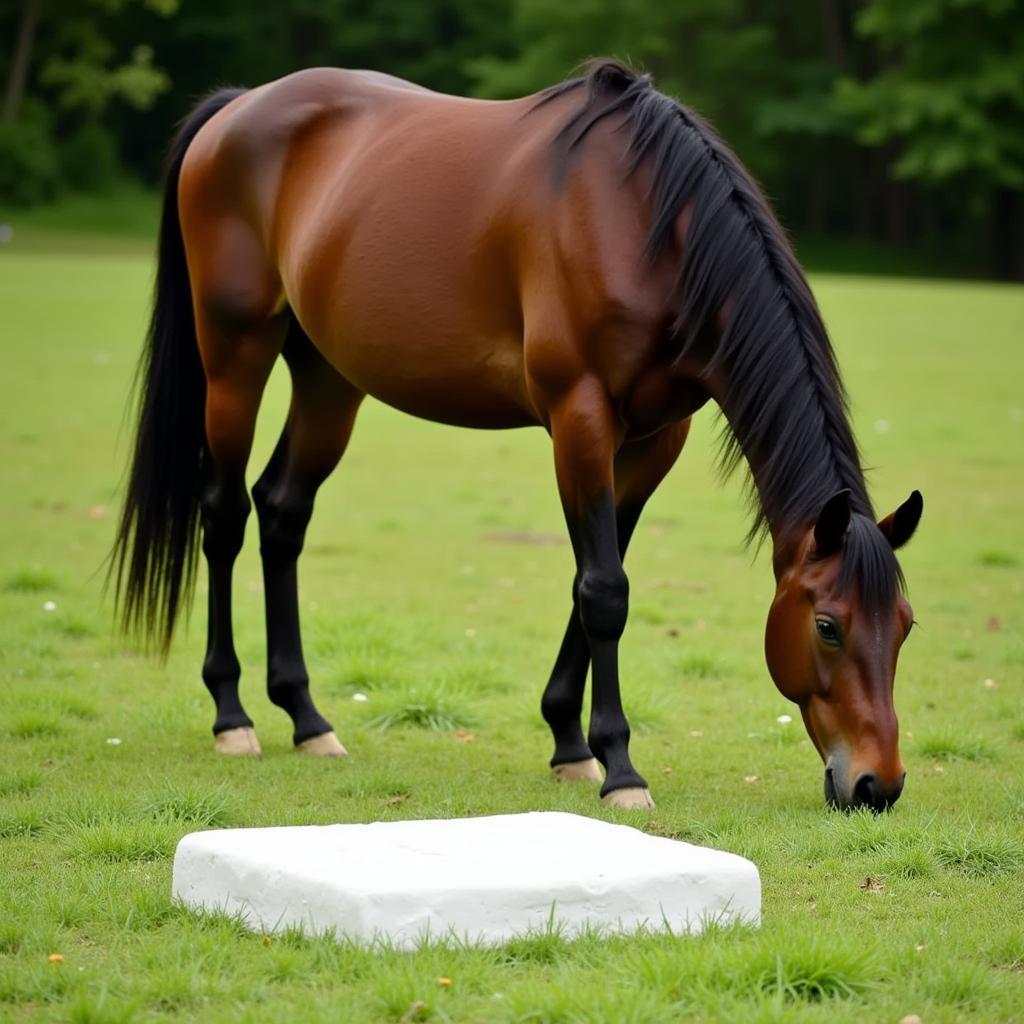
(869, 792)
(866, 791)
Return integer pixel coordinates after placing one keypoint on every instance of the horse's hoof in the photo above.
(579, 771)
(240, 742)
(635, 798)
(324, 745)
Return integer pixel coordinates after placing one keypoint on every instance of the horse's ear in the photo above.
(833, 522)
(900, 526)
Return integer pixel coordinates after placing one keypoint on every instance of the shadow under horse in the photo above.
(592, 260)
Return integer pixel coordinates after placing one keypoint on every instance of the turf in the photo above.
(436, 585)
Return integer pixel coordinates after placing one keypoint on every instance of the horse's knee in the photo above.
(604, 603)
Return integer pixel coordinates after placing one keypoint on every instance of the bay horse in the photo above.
(592, 260)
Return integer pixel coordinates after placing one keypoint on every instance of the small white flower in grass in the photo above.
(882, 426)
(114, 741)
(989, 684)
(360, 698)
(784, 719)
(49, 606)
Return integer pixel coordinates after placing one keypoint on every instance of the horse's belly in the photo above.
(463, 385)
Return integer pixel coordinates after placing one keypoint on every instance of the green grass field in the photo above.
(435, 581)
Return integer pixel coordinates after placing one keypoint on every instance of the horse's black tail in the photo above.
(154, 558)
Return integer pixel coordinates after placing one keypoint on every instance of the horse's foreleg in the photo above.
(562, 702)
(583, 432)
(237, 363)
(320, 422)
(639, 468)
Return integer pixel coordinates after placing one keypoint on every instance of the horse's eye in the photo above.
(828, 631)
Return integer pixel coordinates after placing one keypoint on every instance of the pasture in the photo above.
(436, 583)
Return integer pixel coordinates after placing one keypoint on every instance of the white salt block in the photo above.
(482, 880)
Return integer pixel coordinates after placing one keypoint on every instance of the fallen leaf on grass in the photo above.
(464, 737)
(398, 798)
(55, 958)
(444, 982)
(872, 885)
(911, 1018)
(994, 625)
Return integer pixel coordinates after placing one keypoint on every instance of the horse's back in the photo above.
(414, 233)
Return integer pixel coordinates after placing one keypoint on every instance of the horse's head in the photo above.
(834, 632)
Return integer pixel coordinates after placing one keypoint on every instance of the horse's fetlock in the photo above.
(217, 671)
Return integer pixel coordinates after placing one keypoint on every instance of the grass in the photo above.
(953, 743)
(122, 220)
(430, 587)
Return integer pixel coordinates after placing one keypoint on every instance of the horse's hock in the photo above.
(483, 880)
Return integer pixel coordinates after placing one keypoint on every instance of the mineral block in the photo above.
(483, 880)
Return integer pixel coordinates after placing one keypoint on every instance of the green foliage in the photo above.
(737, 57)
(951, 90)
(29, 170)
(84, 67)
(850, 116)
(88, 158)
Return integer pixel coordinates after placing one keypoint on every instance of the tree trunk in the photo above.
(817, 199)
(18, 74)
(836, 31)
(1007, 258)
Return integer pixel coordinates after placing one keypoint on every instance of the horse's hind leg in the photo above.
(237, 358)
(640, 467)
(320, 421)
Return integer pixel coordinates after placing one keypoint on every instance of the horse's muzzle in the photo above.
(868, 792)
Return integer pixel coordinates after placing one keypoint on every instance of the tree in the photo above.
(948, 98)
(17, 74)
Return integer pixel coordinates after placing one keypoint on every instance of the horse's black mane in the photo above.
(784, 401)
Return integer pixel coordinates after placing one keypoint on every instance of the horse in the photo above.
(593, 260)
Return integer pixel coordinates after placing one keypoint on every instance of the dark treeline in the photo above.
(885, 121)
